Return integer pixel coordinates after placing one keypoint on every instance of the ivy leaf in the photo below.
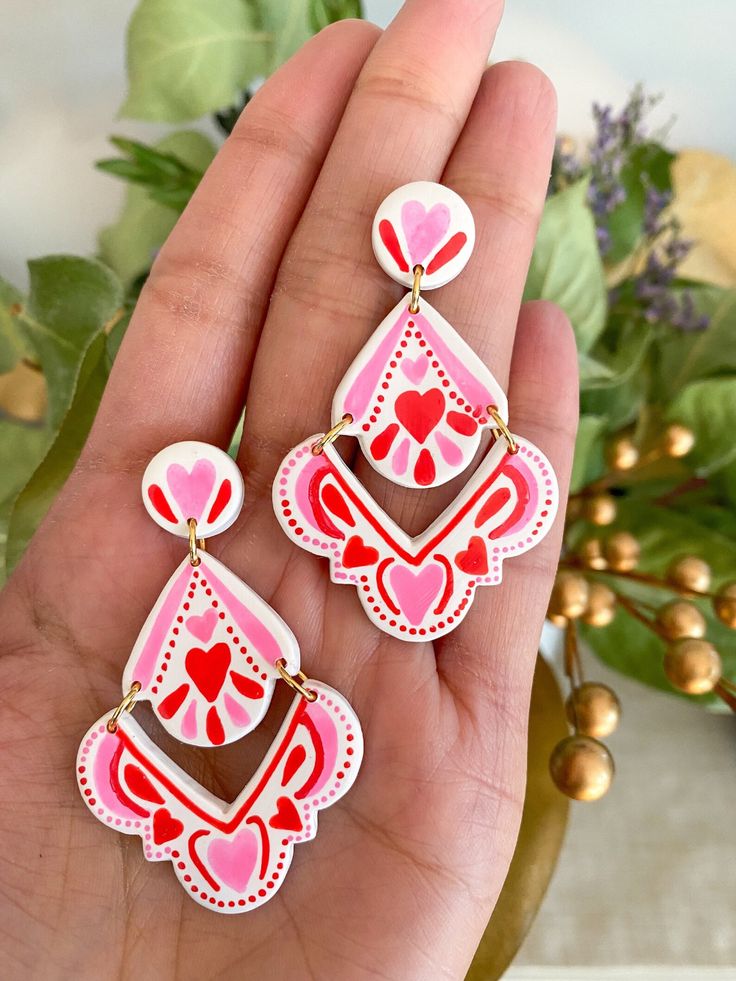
(540, 836)
(588, 464)
(70, 301)
(187, 58)
(38, 494)
(288, 24)
(709, 409)
(566, 266)
(129, 245)
(324, 12)
(664, 534)
(648, 165)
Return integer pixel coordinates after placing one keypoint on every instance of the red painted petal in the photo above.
(157, 498)
(388, 237)
(223, 496)
(447, 252)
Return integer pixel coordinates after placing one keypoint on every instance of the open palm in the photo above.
(262, 295)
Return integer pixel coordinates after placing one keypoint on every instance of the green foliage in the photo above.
(70, 301)
(566, 266)
(649, 165)
(324, 12)
(187, 58)
(72, 305)
(129, 245)
(169, 180)
(664, 535)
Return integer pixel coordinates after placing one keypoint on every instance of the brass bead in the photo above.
(557, 620)
(569, 595)
(591, 554)
(678, 618)
(600, 509)
(622, 453)
(678, 440)
(581, 767)
(593, 709)
(724, 605)
(693, 665)
(621, 551)
(690, 573)
(601, 608)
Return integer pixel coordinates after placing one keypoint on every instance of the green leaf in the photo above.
(129, 245)
(709, 409)
(648, 165)
(169, 180)
(70, 301)
(540, 836)
(588, 464)
(13, 344)
(566, 266)
(324, 12)
(686, 357)
(594, 374)
(287, 23)
(664, 535)
(187, 58)
(21, 448)
(38, 494)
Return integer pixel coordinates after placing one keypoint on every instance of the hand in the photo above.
(263, 294)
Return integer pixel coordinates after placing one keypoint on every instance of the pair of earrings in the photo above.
(208, 657)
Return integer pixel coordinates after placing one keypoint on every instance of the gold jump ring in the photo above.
(296, 681)
(331, 435)
(196, 545)
(502, 429)
(126, 704)
(416, 289)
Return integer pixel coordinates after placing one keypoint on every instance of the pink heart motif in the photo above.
(424, 230)
(202, 627)
(191, 491)
(415, 370)
(416, 591)
(233, 859)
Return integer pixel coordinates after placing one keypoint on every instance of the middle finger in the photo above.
(408, 107)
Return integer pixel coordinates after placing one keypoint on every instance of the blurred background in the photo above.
(644, 888)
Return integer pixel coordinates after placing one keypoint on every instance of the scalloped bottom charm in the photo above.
(228, 857)
(417, 588)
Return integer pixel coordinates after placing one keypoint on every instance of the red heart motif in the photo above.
(208, 669)
(419, 414)
(286, 817)
(165, 827)
(357, 553)
(474, 560)
(139, 784)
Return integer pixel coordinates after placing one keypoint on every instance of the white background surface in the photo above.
(647, 875)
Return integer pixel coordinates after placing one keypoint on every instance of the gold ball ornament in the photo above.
(690, 573)
(600, 509)
(693, 665)
(581, 767)
(677, 440)
(622, 551)
(569, 595)
(622, 454)
(601, 608)
(724, 605)
(679, 618)
(590, 553)
(593, 709)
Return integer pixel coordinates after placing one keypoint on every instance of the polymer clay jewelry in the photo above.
(207, 659)
(418, 399)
